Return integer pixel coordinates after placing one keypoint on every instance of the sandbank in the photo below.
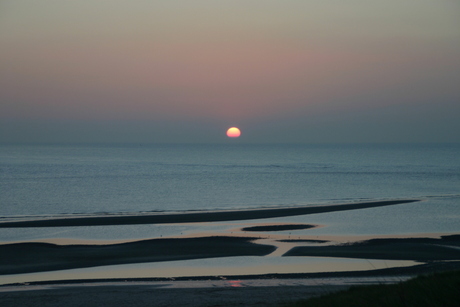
(37, 257)
(197, 217)
(417, 249)
(283, 227)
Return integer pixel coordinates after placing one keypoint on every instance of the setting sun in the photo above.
(233, 132)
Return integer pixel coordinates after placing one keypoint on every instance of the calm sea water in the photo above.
(39, 180)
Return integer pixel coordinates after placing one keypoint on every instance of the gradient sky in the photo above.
(294, 71)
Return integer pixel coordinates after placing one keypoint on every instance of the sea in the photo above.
(65, 180)
(56, 180)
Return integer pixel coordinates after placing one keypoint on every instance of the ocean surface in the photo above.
(56, 180)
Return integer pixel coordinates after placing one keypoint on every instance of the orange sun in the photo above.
(233, 132)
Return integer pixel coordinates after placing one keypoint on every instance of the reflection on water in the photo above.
(235, 283)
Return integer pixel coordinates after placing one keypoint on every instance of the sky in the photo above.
(291, 71)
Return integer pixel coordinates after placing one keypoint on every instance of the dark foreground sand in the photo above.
(150, 296)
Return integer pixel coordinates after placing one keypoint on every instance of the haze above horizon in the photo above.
(185, 71)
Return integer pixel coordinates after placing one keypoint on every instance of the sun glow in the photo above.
(233, 132)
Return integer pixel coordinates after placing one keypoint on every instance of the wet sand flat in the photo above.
(125, 295)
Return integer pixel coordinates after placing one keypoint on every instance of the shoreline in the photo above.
(215, 216)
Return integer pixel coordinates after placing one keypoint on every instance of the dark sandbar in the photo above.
(37, 257)
(218, 216)
(302, 240)
(278, 227)
(416, 249)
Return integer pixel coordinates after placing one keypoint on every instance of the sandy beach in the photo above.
(435, 253)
